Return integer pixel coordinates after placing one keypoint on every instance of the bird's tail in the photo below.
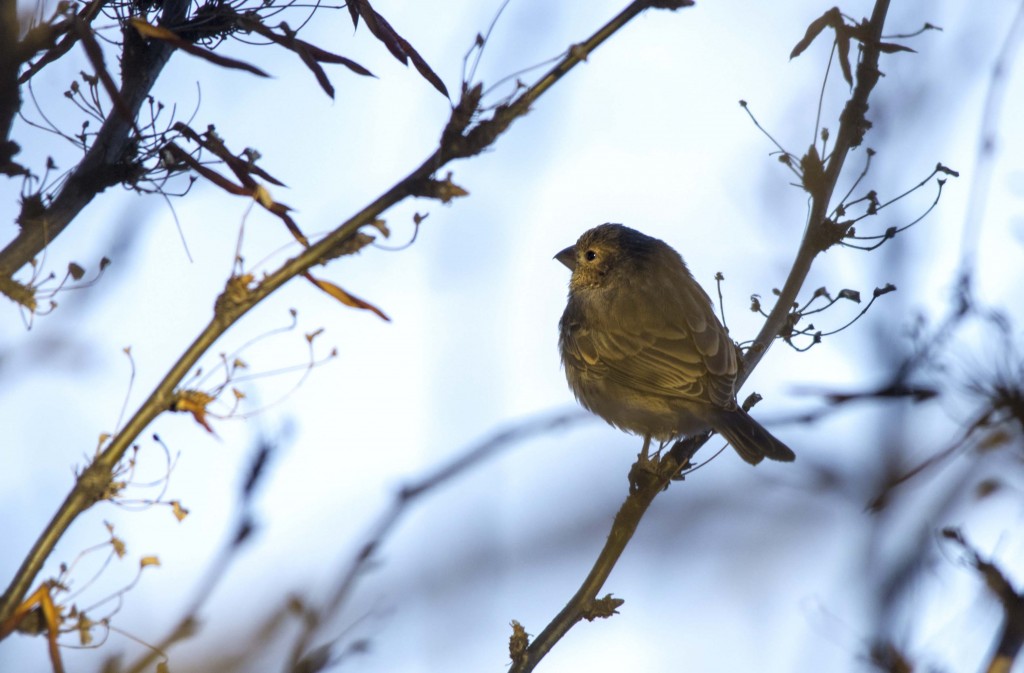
(749, 437)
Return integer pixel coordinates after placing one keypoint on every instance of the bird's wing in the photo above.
(677, 351)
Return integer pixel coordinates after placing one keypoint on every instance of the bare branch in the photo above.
(237, 299)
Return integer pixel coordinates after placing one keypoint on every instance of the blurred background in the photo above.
(734, 568)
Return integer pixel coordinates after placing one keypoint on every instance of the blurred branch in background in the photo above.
(313, 649)
(307, 658)
(1011, 637)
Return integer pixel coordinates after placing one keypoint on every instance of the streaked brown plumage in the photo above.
(643, 349)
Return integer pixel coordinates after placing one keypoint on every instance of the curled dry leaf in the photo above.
(885, 289)
(178, 511)
(517, 642)
(343, 296)
(852, 295)
(193, 402)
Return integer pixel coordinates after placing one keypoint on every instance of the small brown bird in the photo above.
(643, 350)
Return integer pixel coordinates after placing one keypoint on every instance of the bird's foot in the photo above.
(646, 467)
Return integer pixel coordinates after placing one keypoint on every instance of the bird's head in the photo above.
(604, 252)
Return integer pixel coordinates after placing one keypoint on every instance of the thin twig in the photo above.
(851, 130)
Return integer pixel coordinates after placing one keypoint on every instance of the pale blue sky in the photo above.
(736, 569)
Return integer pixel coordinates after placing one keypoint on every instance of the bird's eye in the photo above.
(590, 255)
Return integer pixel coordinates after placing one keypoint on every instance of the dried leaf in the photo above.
(892, 48)
(396, 44)
(240, 167)
(150, 31)
(181, 156)
(237, 289)
(194, 402)
(310, 54)
(812, 170)
(318, 72)
(424, 69)
(253, 168)
(852, 295)
(84, 626)
(262, 196)
(179, 512)
(517, 642)
(843, 50)
(832, 17)
(353, 11)
(328, 57)
(443, 190)
(343, 296)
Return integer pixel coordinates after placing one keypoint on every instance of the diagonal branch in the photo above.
(853, 125)
(239, 298)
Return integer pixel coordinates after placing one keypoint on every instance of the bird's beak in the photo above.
(568, 257)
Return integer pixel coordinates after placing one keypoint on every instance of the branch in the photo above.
(582, 603)
(104, 165)
(407, 495)
(853, 125)
(1011, 636)
(114, 156)
(10, 97)
(239, 297)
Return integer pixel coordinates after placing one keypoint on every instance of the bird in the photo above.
(642, 348)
